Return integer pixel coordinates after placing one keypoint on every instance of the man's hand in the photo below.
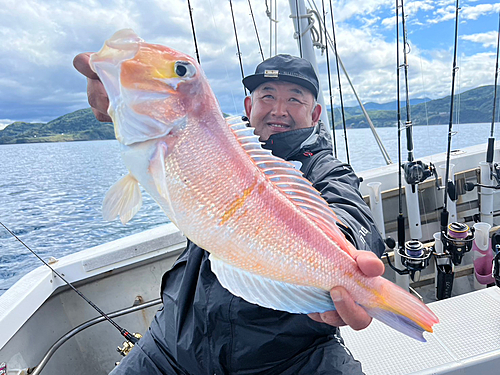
(97, 96)
(348, 312)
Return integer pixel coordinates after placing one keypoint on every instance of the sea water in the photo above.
(51, 193)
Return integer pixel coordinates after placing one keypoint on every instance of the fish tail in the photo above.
(400, 310)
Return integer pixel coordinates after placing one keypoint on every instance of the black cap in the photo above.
(284, 68)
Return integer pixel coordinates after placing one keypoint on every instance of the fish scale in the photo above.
(272, 239)
(219, 189)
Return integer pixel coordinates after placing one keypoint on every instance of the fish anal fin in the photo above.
(123, 199)
(273, 294)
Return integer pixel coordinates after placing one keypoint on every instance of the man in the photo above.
(204, 329)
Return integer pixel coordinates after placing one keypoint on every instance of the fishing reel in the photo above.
(414, 257)
(128, 345)
(495, 244)
(496, 266)
(417, 172)
(457, 240)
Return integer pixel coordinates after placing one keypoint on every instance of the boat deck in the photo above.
(466, 341)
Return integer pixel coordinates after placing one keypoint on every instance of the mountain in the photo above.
(80, 125)
(473, 106)
(392, 106)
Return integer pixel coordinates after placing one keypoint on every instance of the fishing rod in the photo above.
(445, 213)
(494, 169)
(380, 145)
(456, 238)
(340, 85)
(401, 219)
(491, 139)
(194, 34)
(415, 171)
(129, 336)
(412, 255)
(329, 83)
(256, 31)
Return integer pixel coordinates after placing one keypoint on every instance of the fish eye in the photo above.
(184, 69)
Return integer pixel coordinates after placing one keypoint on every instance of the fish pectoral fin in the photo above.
(273, 294)
(123, 199)
(157, 169)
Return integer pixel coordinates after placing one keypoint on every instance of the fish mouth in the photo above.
(122, 46)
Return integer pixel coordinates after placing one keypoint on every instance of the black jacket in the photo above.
(204, 329)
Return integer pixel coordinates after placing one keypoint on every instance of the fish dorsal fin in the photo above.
(273, 294)
(123, 199)
(283, 175)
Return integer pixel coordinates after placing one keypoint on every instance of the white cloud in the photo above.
(40, 39)
(474, 12)
(488, 39)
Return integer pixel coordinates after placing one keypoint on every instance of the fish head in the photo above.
(151, 88)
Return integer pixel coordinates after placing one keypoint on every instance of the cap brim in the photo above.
(253, 81)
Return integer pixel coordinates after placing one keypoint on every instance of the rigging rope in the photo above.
(237, 45)
(271, 21)
(382, 149)
(194, 34)
(299, 36)
(340, 85)
(255, 27)
(330, 86)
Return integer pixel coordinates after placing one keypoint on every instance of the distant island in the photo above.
(475, 107)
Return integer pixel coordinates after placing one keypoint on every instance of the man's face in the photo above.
(277, 107)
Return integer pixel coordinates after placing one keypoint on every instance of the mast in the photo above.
(300, 24)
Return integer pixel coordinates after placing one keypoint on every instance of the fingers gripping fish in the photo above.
(273, 240)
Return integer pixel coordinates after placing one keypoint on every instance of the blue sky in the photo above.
(40, 39)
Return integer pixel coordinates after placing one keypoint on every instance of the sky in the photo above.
(39, 40)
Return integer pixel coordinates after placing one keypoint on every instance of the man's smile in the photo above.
(278, 127)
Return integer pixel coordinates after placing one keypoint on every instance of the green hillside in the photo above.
(80, 125)
(474, 106)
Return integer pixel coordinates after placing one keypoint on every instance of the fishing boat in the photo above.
(46, 327)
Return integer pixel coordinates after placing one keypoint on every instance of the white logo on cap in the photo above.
(271, 73)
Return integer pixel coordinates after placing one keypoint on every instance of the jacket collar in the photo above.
(288, 144)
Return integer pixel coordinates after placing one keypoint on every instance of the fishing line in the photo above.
(130, 337)
(256, 32)
(221, 50)
(237, 45)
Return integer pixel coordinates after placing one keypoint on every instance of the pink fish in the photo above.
(272, 238)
